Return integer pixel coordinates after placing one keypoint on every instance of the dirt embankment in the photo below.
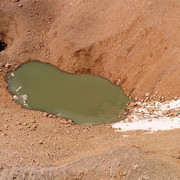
(135, 44)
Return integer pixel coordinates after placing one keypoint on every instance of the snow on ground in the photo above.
(151, 117)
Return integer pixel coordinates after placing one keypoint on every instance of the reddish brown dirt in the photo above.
(134, 43)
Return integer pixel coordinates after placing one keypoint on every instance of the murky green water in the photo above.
(85, 99)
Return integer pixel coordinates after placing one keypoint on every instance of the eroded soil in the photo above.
(132, 43)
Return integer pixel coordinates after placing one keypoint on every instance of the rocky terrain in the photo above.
(135, 45)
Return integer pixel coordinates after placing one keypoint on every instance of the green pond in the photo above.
(85, 99)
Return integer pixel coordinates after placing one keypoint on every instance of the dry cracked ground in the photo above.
(135, 44)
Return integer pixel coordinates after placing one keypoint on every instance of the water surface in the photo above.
(85, 99)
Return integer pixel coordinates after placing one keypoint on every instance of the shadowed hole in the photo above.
(3, 45)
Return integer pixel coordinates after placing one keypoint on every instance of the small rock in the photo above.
(33, 121)
(4, 134)
(6, 126)
(7, 65)
(130, 118)
(50, 115)
(20, 5)
(162, 99)
(147, 94)
(25, 124)
(149, 109)
(132, 104)
(45, 114)
(33, 128)
(135, 167)
(125, 113)
(175, 98)
(18, 123)
(0, 70)
(152, 103)
(124, 173)
(168, 106)
(136, 99)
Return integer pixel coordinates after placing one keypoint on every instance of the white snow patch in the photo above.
(151, 121)
(15, 97)
(12, 74)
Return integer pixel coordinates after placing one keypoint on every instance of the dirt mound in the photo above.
(122, 163)
(134, 44)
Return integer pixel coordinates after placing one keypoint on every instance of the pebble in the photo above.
(18, 123)
(132, 104)
(135, 167)
(45, 114)
(152, 103)
(7, 65)
(149, 109)
(50, 115)
(41, 142)
(4, 134)
(147, 94)
(6, 126)
(33, 121)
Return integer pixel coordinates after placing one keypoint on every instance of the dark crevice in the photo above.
(3, 45)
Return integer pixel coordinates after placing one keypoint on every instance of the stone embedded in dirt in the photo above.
(7, 65)
(147, 94)
(50, 115)
(135, 167)
(45, 114)
(133, 104)
(162, 99)
(41, 142)
(34, 127)
(152, 103)
(168, 106)
(149, 109)
(4, 134)
(125, 113)
(130, 118)
(175, 98)
(6, 126)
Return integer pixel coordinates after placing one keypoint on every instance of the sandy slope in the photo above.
(133, 43)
